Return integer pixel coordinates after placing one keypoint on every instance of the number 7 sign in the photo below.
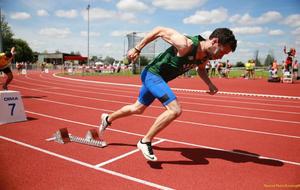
(11, 107)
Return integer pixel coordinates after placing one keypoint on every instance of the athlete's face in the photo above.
(217, 50)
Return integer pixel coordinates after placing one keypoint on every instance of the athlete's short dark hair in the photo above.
(225, 36)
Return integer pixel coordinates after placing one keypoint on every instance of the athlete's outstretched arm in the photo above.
(179, 41)
(203, 75)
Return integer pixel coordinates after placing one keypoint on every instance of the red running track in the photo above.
(219, 142)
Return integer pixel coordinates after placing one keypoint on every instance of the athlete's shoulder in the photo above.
(196, 39)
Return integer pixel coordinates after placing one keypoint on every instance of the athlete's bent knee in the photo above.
(175, 112)
(137, 109)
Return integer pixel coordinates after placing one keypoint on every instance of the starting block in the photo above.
(11, 107)
(62, 136)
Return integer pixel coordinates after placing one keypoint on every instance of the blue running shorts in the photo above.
(154, 87)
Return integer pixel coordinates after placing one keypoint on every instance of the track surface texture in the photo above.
(245, 137)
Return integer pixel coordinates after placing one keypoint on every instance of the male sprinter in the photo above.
(5, 60)
(185, 53)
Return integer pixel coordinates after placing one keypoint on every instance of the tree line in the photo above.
(24, 52)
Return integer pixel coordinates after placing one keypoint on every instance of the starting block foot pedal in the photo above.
(62, 136)
(92, 134)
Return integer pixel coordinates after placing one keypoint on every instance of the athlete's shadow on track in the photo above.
(201, 156)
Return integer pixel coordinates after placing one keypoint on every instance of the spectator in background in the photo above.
(220, 69)
(5, 62)
(289, 60)
(227, 68)
(119, 67)
(19, 67)
(273, 77)
(252, 69)
(213, 69)
(273, 70)
(247, 69)
(43, 66)
(207, 67)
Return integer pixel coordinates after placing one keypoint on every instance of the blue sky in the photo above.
(50, 25)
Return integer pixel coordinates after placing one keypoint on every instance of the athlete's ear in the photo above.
(214, 41)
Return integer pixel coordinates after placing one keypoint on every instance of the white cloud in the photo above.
(241, 50)
(178, 4)
(275, 32)
(297, 44)
(132, 6)
(296, 31)
(247, 44)
(234, 18)
(92, 34)
(107, 45)
(269, 16)
(97, 14)
(206, 34)
(207, 17)
(292, 20)
(66, 13)
(119, 33)
(20, 16)
(55, 32)
(246, 19)
(247, 30)
(42, 12)
(129, 17)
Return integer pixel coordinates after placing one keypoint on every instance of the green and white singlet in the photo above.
(169, 66)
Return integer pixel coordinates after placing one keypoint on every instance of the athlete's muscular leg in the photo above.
(173, 111)
(8, 79)
(136, 108)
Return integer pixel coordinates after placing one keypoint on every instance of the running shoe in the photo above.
(104, 123)
(147, 151)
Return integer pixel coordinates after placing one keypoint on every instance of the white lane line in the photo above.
(241, 108)
(240, 94)
(125, 90)
(181, 97)
(187, 90)
(127, 177)
(71, 83)
(180, 121)
(124, 155)
(242, 116)
(159, 107)
(136, 134)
